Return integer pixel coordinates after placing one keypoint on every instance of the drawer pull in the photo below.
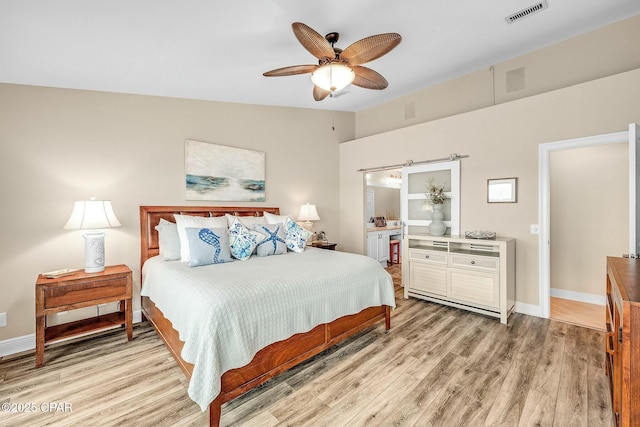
(473, 262)
(611, 336)
(426, 256)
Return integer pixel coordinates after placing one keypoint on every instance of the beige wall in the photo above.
(57, 146)
(607, 51)
(501, 141)
(589, 214)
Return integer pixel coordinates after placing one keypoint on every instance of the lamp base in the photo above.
(93, 252)
(307, 225)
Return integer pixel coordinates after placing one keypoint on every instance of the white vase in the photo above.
(437, 227)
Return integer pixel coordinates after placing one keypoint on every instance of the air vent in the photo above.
(538, 7)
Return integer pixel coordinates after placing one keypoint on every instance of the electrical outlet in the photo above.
(3, 319)
(535, 229)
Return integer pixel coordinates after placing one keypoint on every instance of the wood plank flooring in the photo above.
(438, 366)
(578, 313)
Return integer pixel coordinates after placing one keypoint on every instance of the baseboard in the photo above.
(579, 296)
(28, 342)
(17, 345)
(529, 309)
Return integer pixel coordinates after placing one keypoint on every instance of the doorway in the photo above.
(589, 221)
(544, 151)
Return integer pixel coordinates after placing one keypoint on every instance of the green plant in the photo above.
(435, 193)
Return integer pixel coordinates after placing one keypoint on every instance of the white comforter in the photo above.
(226, 313)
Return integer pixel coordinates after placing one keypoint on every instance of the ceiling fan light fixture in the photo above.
(333, 77)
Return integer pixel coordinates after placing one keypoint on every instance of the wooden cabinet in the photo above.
(476, 275)
(623, 339)
(77, 291)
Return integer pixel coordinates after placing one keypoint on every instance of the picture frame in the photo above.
(502, 190)
(222, 173)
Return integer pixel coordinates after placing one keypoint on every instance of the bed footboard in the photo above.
(273, 359)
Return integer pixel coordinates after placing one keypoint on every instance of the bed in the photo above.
(274, 357)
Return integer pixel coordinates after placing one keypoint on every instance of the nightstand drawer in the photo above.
(86, 292)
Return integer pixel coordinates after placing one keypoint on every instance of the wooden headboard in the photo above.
(150, 217)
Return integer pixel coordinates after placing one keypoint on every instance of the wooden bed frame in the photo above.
(271, 360)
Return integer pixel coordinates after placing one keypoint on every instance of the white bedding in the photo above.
(226, 313)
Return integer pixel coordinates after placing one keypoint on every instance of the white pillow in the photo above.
(184, 221)
(275, 219)
(168, 240)
(247, 221)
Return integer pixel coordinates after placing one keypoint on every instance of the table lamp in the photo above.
(307, 214)
(92, 215)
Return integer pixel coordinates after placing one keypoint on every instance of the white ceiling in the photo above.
(216, 50)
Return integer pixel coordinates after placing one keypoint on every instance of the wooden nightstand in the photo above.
(325, 245)
(82, 290)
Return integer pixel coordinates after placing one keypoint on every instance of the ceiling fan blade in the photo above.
(316, 44)
(319, 94)
(369, 79)
(290, 71)
(370, 48)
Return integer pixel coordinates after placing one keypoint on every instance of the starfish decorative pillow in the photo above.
(274, 242)
(296, 236)
(242, 240)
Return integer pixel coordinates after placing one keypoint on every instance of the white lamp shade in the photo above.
(333, 77)
(92, 214)
(308, 213)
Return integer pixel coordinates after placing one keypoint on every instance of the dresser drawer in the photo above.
(429, 256)
(81, 293)
(476, 262)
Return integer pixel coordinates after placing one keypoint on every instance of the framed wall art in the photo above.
(223, 173)
(502, 190)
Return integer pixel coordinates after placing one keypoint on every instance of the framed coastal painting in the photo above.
(223, 173)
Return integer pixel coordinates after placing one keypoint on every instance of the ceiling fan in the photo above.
(339, 68)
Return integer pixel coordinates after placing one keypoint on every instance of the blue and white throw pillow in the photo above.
(184, 221)
(243, 241)
(274, 242)
(296, 236)
(207, 246)
(247, 221)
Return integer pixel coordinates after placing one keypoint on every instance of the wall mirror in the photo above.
(502, 190)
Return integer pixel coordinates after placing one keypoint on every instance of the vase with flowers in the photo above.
(435, 198)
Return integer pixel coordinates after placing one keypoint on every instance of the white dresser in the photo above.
(476, 275)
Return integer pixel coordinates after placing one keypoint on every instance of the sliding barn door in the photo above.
(414, 211)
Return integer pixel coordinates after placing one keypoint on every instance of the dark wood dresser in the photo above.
(623, 339)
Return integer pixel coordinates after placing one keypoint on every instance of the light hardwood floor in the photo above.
(578, 313)
(438, 366)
